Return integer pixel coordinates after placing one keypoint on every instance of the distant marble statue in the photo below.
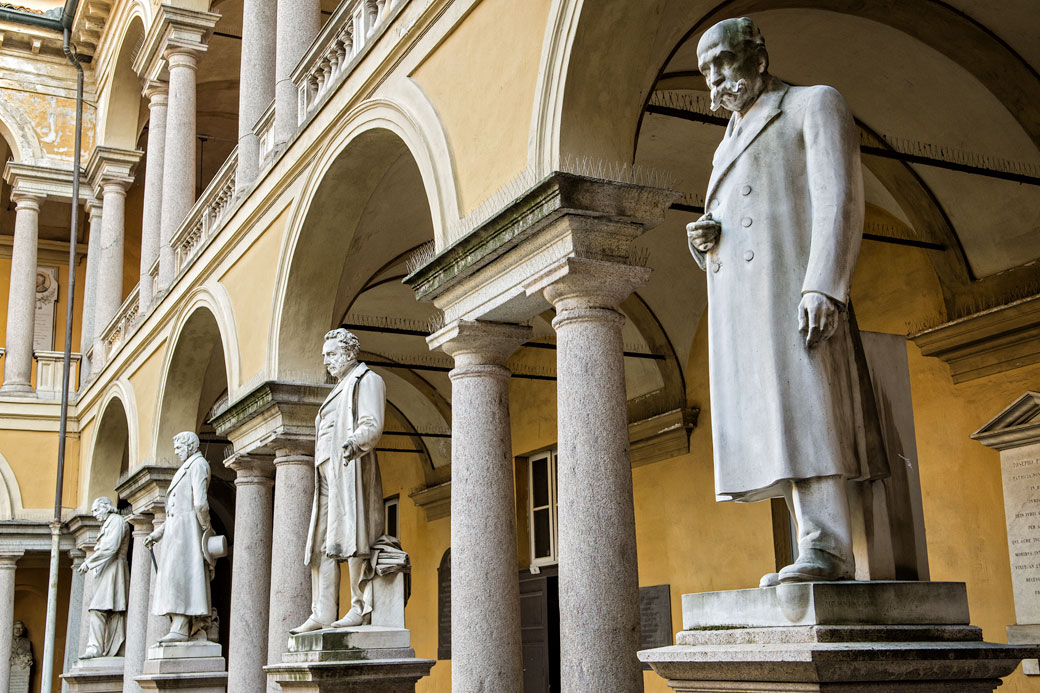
(189, 548)
(779, 243)
(347, 513)
(107, 610)
(21, 659)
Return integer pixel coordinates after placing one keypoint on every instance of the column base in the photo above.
(17, 390)
(195, 666)
(97, 675)
(834, 637)
(364, 659)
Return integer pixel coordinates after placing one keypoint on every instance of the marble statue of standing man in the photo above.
(779, 243)
(347, 513)
(107, 626)
(184, 567)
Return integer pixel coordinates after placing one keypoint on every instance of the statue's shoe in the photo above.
(308, 626)
(173, 636)
(769, 580)
(353, 618)
(90, 653)
(817, 566)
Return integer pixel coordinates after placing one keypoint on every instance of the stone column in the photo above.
(251, 573)
(75, 614)
(88, 594)
(290, 600)
(178, 181)
(157, 94)
(256, 83)
(156, 626)
(8, 561)
(299, 22)
(109, 294)
(86, 334)
(138, 601)
(599, 585)
(21, 301)
(485, 596)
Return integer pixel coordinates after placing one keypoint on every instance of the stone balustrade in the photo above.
(346, 36)
(153, 278)
(118, 331)
(207, 216)
(265, 134)
(49, 367)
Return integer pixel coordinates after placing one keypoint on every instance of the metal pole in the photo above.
(47, 674)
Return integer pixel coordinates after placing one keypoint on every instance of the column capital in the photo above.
(24, 199)
(145, 488)
(173, 29)
(274, 416)
(94, 208)
(291, 457)
(476, 342)
(574, 283)
(9, 559)
(157, 92)
(109, 167)
(251, 469)
(142, 523)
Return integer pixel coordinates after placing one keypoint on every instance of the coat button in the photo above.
(714, 204)
(716, 266)
(748, 255)
(745, 222)
(746, 190)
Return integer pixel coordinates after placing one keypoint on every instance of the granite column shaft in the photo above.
(298, 24)
(157, 626)
(138, 602)
(256, 80)
(8, 564)
(86, 335)
(21, 302)
(485, 595)
(251, 573)
(75, 613)
(178, 180)
(598, 578)
(109, 293)
(151, 217)
(290, 599)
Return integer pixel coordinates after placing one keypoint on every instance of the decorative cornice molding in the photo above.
(1014, 427)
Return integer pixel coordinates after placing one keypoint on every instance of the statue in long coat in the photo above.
(107, 608)
(182, 589)
(779, 244)
(347, 512)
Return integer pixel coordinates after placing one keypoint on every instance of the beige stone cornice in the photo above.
(49, 181)
(145, 487)
(112, 165)
(173, 27)
(47, 252)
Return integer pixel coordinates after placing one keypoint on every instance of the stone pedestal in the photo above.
(195, 666)
(833, 637)
(98, 675)
(365, 659)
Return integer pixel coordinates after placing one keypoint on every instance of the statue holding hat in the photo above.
(189, 549)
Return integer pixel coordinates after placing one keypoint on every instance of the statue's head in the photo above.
(18, 630)
(340, 352)
(733, 59)
(101, 508)
(185, 444)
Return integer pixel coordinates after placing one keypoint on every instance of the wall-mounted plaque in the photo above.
(46, 307)
(444, 607)
(655, 616)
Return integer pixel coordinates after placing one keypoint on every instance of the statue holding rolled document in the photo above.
(779, 241)
(347, 512)
(107, 609)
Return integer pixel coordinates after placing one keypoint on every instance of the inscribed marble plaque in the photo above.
(1020, 469)
(46, 304)
(444, 607)
(655, 616)
(19, 681)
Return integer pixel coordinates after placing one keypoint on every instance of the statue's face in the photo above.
(100, 512)
(337, 360)
(732, 69)
(180, 450)
(18, 630)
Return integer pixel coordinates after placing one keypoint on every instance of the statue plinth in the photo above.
(95, 675)
(834, 637)
(369, 659)
(196, 665)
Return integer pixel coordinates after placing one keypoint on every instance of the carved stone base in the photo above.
(837, 637)
(365, 659)
(1028, 634)
(195, 666)
(97, 675)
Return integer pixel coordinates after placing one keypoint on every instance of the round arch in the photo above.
(10, 493)
(191, 368)
(118, 126)
(18, 131)
(114, 445)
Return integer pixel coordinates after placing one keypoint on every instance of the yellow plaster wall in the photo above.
(145, 382)
(32, 456)
(481, 80)
(57, 137)
(250, 284)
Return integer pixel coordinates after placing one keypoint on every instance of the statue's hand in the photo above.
(350, 450)
(150, 540)
(82, 569)
(817, 317)
(703, 234)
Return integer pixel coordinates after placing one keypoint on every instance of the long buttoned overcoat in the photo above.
(182, 581)
(787, 187)
(109, 563)
(355, 502)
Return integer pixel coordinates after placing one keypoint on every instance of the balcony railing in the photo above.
(264, 130)
(206, 216)
(349, 32)
(118, 331)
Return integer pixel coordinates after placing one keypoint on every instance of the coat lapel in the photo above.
(733, 145)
